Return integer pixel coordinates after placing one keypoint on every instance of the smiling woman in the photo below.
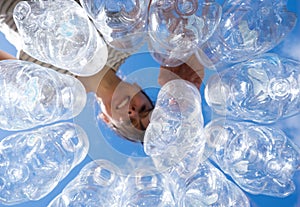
(126, 108)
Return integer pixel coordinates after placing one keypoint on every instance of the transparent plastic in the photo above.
(209, 187)
(33, 162)
(32, 95)
(185, 168)
(147, 187)
(263, 89)
(188, 165)
(247, 28)
(260, 159)
(123, 24)
(98, 184)
(176, 124)
(60, 33)
(178, 27)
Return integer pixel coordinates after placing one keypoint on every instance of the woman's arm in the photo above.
(6, 56)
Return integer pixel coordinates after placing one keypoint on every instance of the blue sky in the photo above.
(6, 46)
(117, 149)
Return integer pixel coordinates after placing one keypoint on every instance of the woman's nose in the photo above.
(132, 112)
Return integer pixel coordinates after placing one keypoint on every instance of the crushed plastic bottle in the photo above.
(123, 24)
(147, 187)
(260, 159)
(33, 162)
(208, 186)
(175, 125)
(99, 183)
(263, 89)
(32, 95)
(247, 28)
(178, 27)
(60, 33)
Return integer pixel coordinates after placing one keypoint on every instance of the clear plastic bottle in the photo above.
(123, 24)
(60, 33)
(147, 187)
(178, 27)
(32, 95)
(175, 125)
(247, 28)
(209, 187)
(99, 183)
(263, 89)
(260, 159)
(186, 167)
(33, 162)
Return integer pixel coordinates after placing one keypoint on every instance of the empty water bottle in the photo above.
(186, 167)
(263, 89)
(147, 187)
(198, 183)
(209, 187)
(175, 124)
(178, 27)
(260, 159)
(247, 28)
(123, 24)
(189, 164)
(60, 33)
(32, 95)
(99, 183)
(33, 162)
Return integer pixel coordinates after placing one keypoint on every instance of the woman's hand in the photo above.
(6, 56)
(191, 71)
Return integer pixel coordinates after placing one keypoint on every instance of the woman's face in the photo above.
(128, 105)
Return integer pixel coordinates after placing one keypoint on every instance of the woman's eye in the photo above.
(143, 109)
(144, 113)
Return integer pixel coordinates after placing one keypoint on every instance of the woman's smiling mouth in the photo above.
(123, 102)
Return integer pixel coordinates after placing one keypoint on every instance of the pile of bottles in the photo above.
(192, 161)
